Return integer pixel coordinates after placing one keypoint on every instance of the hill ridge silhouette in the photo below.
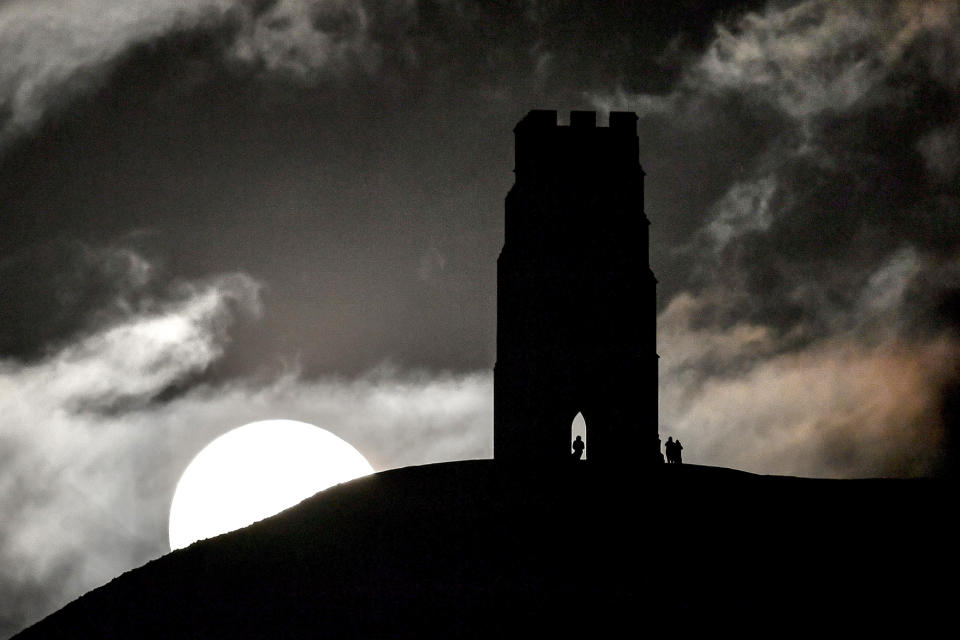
(474, 548)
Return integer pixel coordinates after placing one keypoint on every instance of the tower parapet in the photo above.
(543, 145)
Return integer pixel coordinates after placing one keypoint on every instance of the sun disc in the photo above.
(254, 472)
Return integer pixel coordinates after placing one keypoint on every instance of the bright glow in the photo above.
(254, 472)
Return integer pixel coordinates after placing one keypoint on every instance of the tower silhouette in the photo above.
(576, 298)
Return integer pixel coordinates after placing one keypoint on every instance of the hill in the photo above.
(478, 548)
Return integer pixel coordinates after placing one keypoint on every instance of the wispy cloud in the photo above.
(819, 56)
(804, 339)
(68, 464)
(744, 208)
(53, 51)
(844, 407)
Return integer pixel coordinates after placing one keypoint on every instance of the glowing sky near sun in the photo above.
(254, 472)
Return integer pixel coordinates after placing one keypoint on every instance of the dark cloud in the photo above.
(832, 224)
(55, 290)
(330, 150)
(839, 106)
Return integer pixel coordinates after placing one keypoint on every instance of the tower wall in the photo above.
(576, 299)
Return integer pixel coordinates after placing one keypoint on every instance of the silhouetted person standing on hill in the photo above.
(669, 447)
(677, 452)
(577, 449)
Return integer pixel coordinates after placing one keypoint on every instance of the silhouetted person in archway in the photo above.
(670, 448)
(577, 449)
(677, 452)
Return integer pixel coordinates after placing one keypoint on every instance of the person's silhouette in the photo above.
(669, 448)
(677, 449)
(577, 449)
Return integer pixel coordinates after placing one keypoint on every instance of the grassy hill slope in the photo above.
(478, 548)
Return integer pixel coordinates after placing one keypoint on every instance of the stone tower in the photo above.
(576, 299)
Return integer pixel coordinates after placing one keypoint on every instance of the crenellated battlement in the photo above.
(544, 119)
(545, 147)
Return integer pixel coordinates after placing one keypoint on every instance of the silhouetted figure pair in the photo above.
(577, 449)
(674, 449)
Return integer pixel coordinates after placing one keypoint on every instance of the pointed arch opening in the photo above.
(579, 428)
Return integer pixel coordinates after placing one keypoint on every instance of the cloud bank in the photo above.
(810, 335)
(90, 444)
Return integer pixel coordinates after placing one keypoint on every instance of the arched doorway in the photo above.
(579, 428)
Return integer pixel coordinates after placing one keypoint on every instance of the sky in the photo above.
(219, 211)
